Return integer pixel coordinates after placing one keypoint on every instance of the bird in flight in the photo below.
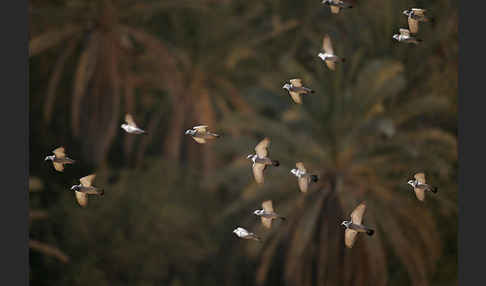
(267, 214)
(303, 178)
(86, 188)
(59, 159)
(354, 226)
(130, 127)
(336, 5)
(200, 134)
(327, 53)
(245, 234)
(419, 186)
(405, 37)
(295, 89)
(416, 15)
(260, 160)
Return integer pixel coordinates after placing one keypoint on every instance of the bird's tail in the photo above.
(314, 178)
(275, 163)
(312, 91)
(429, 19)
(343, 60)
(214, 134)
(433, 189)
(370, 232)
(282, 218)
(144, 132)
(101, 192)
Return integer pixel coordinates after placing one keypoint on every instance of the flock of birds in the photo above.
(261, 160)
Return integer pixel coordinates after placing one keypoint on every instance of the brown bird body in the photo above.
(86, 188)
(261, 160)
(355, 226)
(59, 159)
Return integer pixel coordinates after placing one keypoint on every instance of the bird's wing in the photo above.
(303, 184)
(261, 148)
(129, 120)
(59, 152)
(267, 206)
(87, 180)
(295, 97)
(413, 25)
(300, 166)
(420, 177)
(200, 128)
(58, 166)
(334, 9)
(331, 65)
(297, 82)
(350, 237)
(404, 32)
(258, 169)
(199, 140)
(327, 44)
(418, 11)
(420, 193)
(267, 222)
(82, 198)
(357, 214)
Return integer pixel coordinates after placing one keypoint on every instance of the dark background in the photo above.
(171, 204)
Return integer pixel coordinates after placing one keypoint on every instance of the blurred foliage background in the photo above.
(170, 204)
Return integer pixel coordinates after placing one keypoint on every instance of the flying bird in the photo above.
(419, 186)
(59, 159)
(303, 178)
(200, 134)
(267, 214)
(354, 225)
(131, 127)
(261, 160)
(86, 188)
(336, 5)
(405, 37)
(245, 234)
(416, 15)
(327, 54)
(295, 89)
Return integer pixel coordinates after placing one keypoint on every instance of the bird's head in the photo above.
(286, 86)
(49, 158)
(327, 2)
(250, 156)
(75, 188)
(124, 126)
(406, 12)
(236, 230)
(190, 132)
(395, 37)
(411, 183)
(346, 223)
(258, 212)
(293, 171)
(322, 56)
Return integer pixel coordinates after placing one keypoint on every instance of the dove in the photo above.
(261, 160)
(354, 225)
(416, 15)
(303, 178)
(84, 189)
(245, 234)
(200, 134)
(327, 53)
(295, 89)
(267, 214)
(336, 5)
(405, 37)
(59, 159)
(131, 127)
(419, 186)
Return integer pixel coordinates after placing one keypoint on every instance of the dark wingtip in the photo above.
(343, 60)
(314, 178)
(370, 232)
(276, 163)
(283, 218)
(312, 91)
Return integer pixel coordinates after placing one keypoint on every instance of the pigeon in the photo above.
(261, 160)
(85, 188)
(416, 15)
(354, 226)
(131, 127)
(419, 186)
(245, 234)
(328, 56)
(295, 89)
(405, 37)
(336, 5)
(303, 178)
(200, 134)
(267, 214)
(59, 159)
